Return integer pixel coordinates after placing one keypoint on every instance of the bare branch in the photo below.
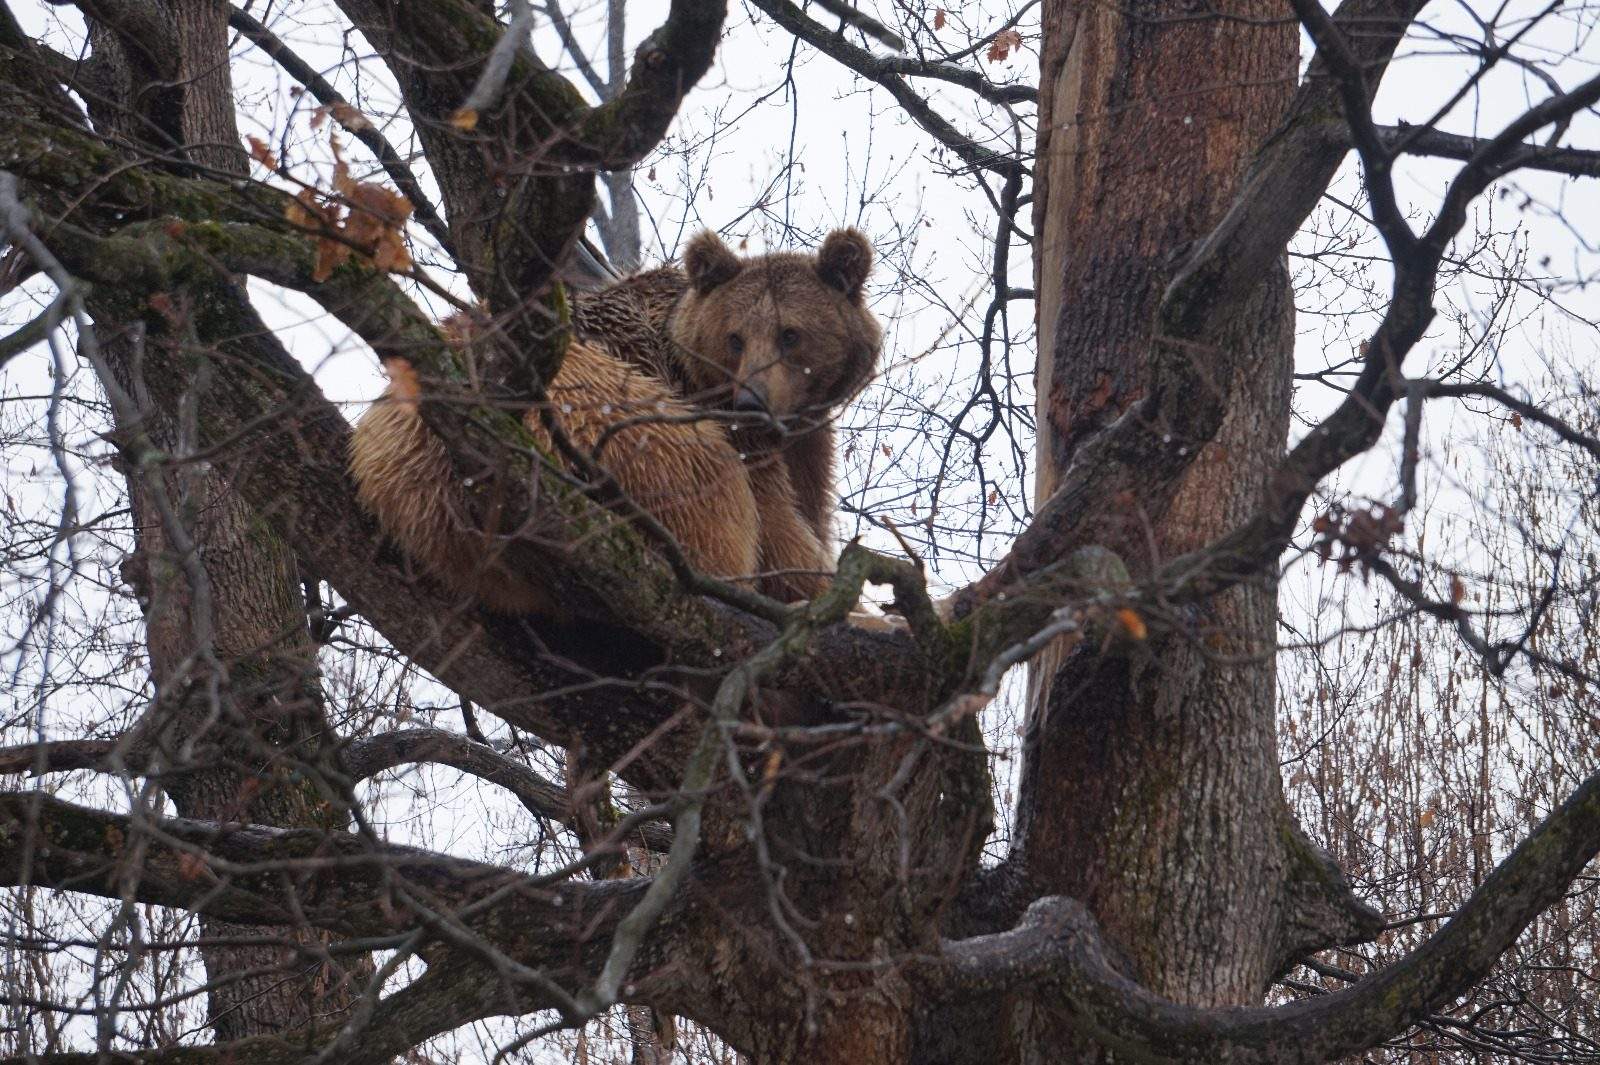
(367, 757)
(1522, 407)
(345, 884)
(850, 16)
(57, 756)
(666, 66)
(882, 72)
(574, 50)
(492, 79)
(1416, 140)
(1355, 94)
(1059, 943)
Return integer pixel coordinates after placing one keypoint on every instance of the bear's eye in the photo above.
(736, 343)
(789, 339)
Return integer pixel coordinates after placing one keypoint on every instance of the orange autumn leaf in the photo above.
(377, 221)
(769, 771)
(465, 120)
(362, 219)
(1004, 43)
(261, 153)
(938, 19)
(1132, 623)
(331, 254)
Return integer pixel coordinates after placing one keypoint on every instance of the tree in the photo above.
(818, 794)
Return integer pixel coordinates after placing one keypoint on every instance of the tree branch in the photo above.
(254, 875)
(367, 757)
(872, 66)
(1058, 945)
(1355, 96)
(1522, 407)
(56, 756)
(880, 72)
(619, 133)
(1416, 140)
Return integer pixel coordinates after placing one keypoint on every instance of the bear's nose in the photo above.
(747, 400)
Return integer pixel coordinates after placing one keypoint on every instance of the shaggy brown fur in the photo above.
(789, 334)
(789, 330)
(682, 470)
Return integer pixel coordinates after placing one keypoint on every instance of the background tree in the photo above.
(1204, 610)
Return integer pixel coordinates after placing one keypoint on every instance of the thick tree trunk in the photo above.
(237, 757)
(1150, 788)
(235, 735)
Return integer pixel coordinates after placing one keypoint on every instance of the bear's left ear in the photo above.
(845, 260)
(709, 263)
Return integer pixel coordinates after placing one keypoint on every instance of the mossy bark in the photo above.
(237, 717)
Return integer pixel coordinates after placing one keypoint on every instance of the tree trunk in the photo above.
(238, 711)
(1150, 787)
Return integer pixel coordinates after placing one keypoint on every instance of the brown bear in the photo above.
(778, 341)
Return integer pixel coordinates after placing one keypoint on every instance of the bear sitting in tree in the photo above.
(706, 392)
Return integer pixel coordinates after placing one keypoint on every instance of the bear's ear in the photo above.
(845, 260)
(709, 263)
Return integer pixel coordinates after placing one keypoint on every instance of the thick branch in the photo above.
(1058, 944)
(1349, 74)
(254, 875)
(666, 66)
(57, 756)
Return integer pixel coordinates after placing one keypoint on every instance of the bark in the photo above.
(1150, 788)
(238, 703)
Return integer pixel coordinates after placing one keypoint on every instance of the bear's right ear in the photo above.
(845, 260)
(709, 263)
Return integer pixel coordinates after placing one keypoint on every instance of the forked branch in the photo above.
(1058, 947)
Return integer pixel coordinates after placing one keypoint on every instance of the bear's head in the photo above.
(787, 335)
